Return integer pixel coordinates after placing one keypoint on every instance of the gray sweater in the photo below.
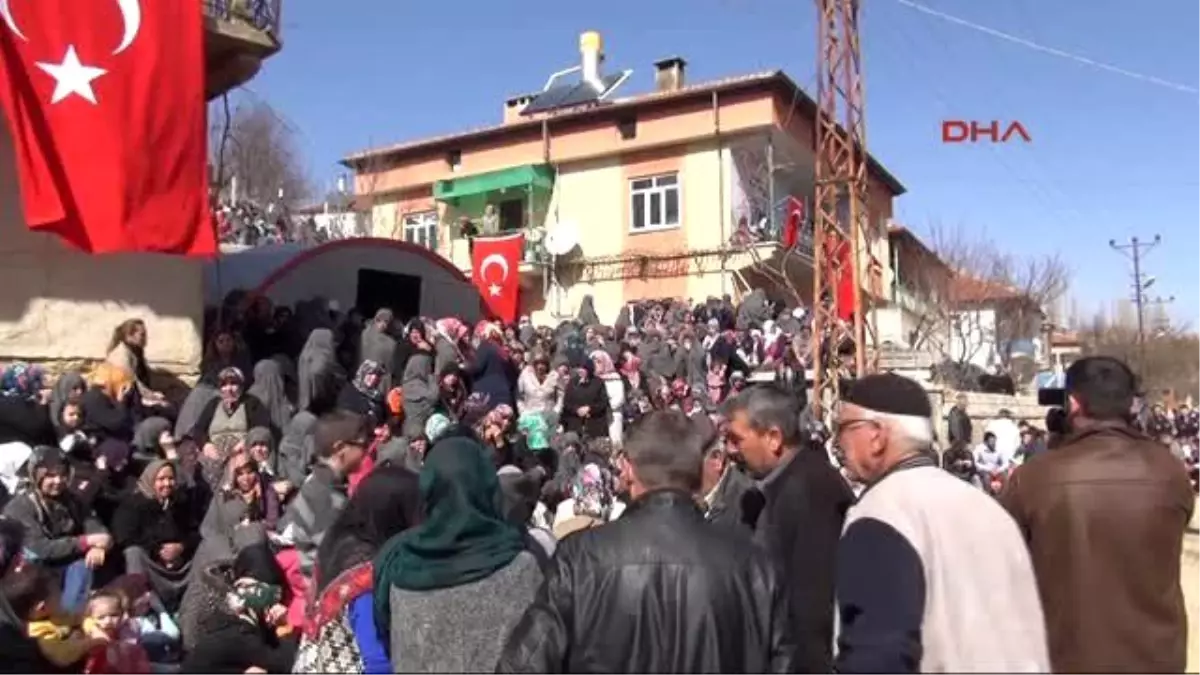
(461, 629)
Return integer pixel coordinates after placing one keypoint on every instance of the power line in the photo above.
(1053, 51)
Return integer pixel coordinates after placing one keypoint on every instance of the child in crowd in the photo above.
(108, 622)
(33, 593)
(72, 427)
(149, 625)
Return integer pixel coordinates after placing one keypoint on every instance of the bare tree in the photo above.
(1171, 361)
(1017, 288)
(252, 143)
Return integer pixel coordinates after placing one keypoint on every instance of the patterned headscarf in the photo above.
(360, 378)
(537, 432)
(452, 329)
(592, 493)
(21, 380)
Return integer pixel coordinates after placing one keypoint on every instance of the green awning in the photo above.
(533, 176)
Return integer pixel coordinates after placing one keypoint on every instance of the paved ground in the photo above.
(1191, 593)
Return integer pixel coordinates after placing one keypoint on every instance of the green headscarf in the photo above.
(537, 432)
(464, 536)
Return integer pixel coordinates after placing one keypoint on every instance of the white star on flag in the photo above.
(72, 77)
(494, 290)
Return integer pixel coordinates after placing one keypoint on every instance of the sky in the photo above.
(1111, 156)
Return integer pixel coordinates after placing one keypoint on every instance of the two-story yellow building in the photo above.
(654, 189)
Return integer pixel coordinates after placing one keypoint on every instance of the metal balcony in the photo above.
(239, 36)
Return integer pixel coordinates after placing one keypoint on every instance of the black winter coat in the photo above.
(657, 591)
(800, 526)
(143, 522)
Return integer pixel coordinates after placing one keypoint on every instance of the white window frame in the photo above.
(660, 184)
(419, 222)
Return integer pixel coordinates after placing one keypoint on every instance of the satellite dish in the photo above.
(561, 238)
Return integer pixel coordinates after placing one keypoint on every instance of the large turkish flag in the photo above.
(105, 102)
(494, 269)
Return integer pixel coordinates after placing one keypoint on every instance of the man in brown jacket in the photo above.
(1104, 514)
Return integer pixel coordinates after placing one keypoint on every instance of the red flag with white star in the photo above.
(494, 269)
(105, 102)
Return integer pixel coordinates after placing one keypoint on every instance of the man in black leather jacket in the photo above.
(659, 590)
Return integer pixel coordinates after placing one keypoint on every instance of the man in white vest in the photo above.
(932, 574)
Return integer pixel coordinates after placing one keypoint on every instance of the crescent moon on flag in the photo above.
(493, 259)
(131, 12)
(6, 14)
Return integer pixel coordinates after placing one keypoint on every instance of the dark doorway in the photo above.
(400, 293)
(512, 215)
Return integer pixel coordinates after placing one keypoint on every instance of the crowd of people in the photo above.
(346, 493)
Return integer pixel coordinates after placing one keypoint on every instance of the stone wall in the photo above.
(984, 408)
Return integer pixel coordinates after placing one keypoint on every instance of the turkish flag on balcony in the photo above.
(105, 102)
(494, 269)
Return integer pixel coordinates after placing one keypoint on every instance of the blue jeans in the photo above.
(77, 584)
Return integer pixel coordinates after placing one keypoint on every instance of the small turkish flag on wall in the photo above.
(105, 102)
(494, 269)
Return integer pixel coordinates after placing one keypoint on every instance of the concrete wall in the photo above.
(59, 305)
(985, 407)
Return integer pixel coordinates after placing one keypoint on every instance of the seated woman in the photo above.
(154, 527)
(363, 395)
(221, 429)
(339, 633)
(60, 534)
(245, 629)
(24, 417)
(243, 500)
(260, 445)
(127, 351)
(68, 389)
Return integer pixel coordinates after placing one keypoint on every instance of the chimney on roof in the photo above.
(668, 74)
(591, 52)
(514, 106)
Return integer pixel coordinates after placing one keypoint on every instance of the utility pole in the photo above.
(840, 224)
(1135, 250)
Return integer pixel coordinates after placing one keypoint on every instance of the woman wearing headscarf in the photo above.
(296, 448)
(589, 503)
(377, 344)
(156, 530)
(339, 633)
(270, 390)
(448, 336)
(222, 427)
(23, 416)
(68, 388)
(614, 386)
(421, 389)
(465, 571)
(244, 500)
(224, 350)
(585, 403)
(319, 375)
(490, 371)
(60, 533)
(537, 386)
(364, 395)
(246, 629)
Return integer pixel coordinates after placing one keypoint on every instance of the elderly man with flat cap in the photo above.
(932, 575)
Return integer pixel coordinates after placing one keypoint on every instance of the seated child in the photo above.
(72, 428)
(33, 593)
(149, 625)
(106, 620)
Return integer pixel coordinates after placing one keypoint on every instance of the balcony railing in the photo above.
(262, 14)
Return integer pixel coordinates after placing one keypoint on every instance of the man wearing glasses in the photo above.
(932, 574)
